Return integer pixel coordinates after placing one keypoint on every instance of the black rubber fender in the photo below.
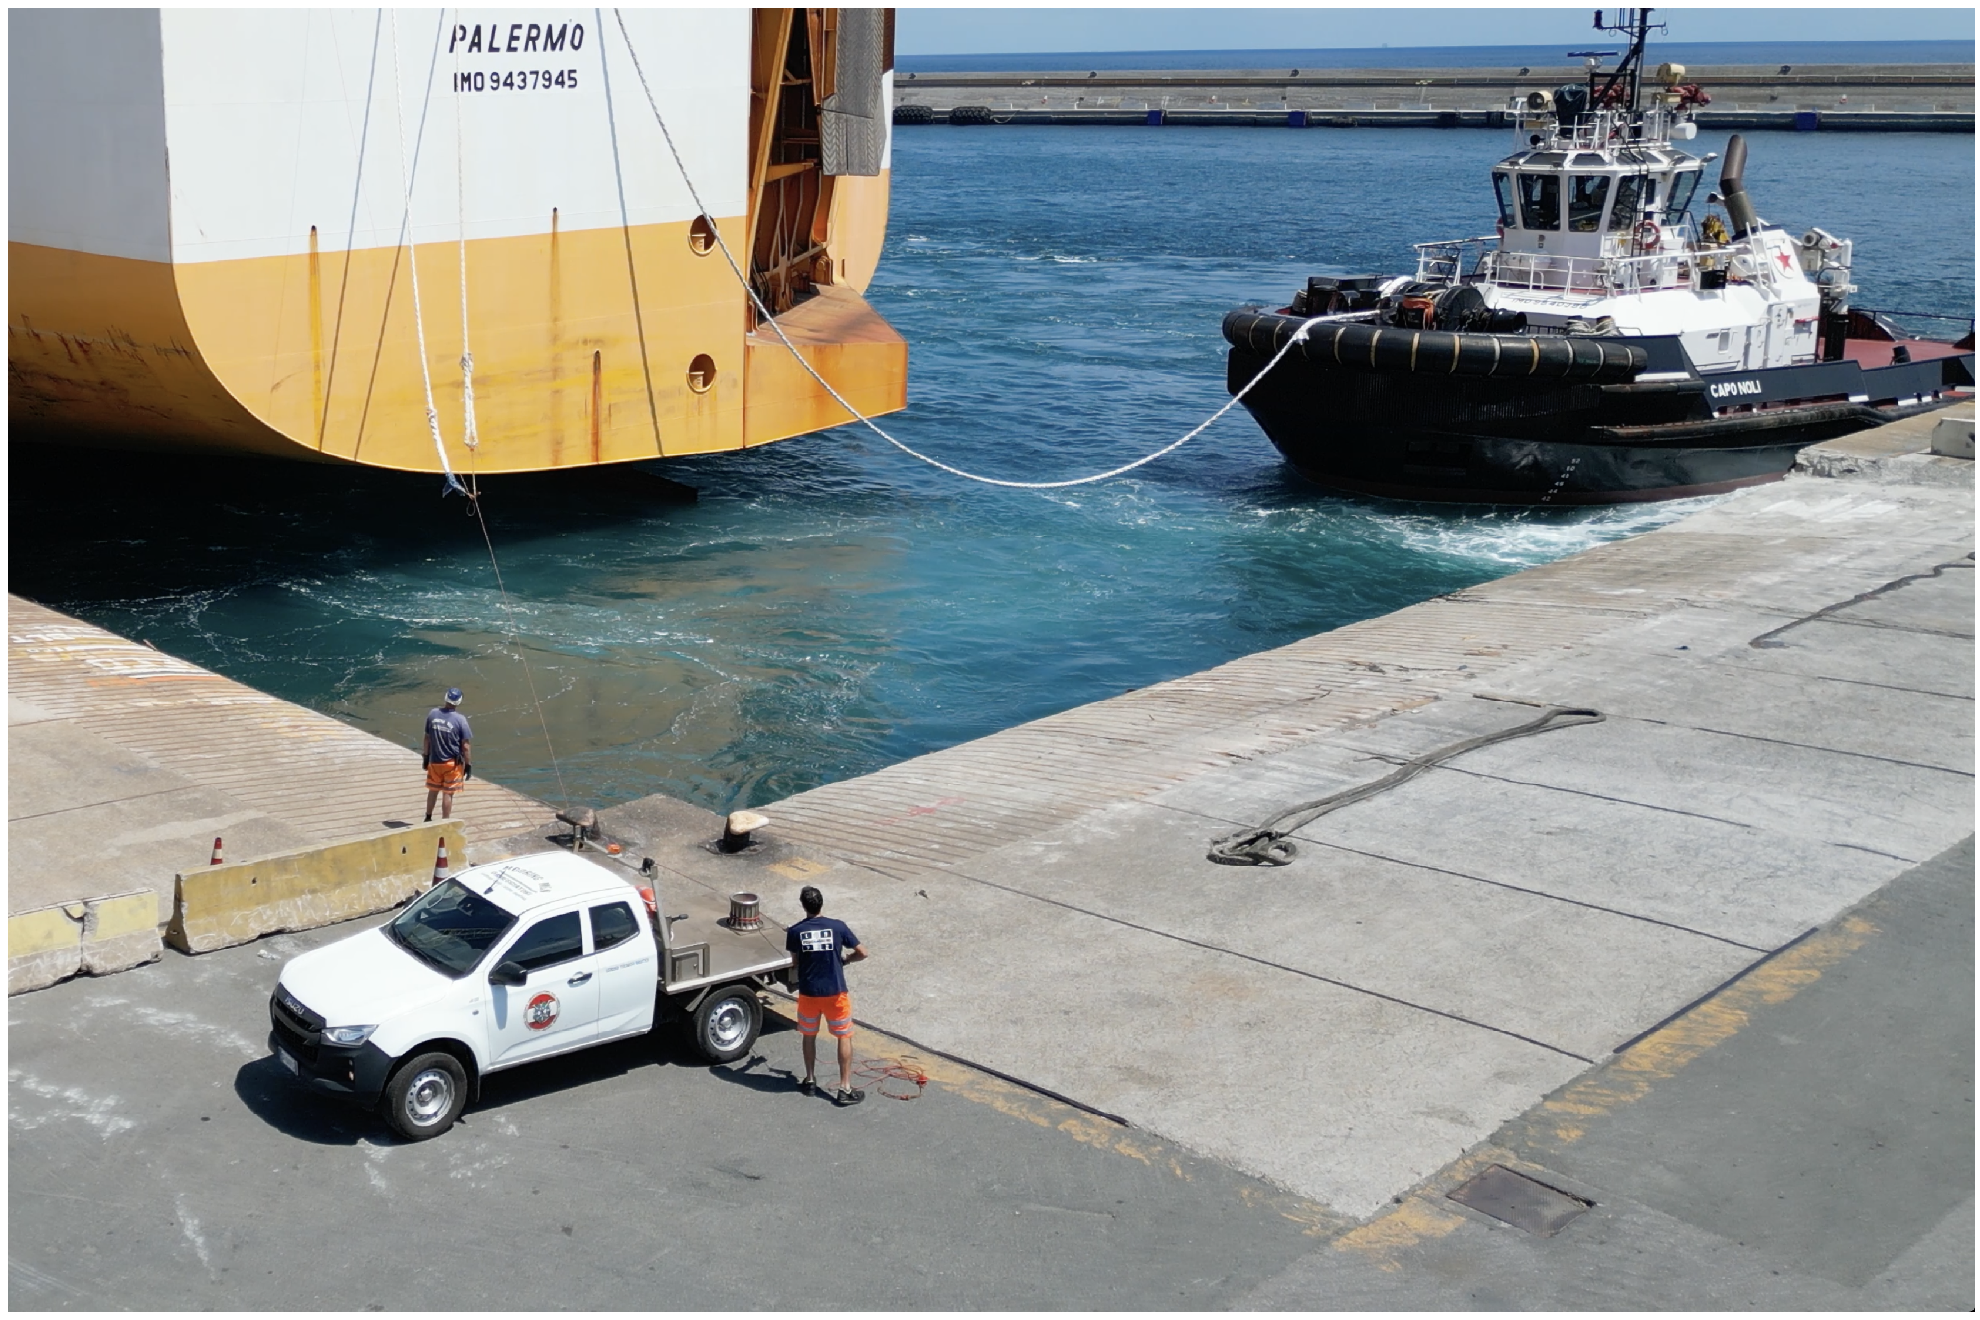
(1360, 345)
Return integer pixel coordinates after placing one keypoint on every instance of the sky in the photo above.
(931, 31)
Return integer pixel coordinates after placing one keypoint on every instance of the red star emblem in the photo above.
(1785, 260)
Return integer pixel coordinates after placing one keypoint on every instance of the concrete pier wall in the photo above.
(1828, 98)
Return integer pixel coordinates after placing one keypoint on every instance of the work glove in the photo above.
(467, 771)
(426, 763)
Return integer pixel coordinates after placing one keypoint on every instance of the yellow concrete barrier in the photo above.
(232, 904)
(120, 931)
(96, 935)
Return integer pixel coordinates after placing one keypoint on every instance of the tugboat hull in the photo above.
(1586, 436)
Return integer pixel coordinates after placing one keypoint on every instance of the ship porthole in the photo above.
(701, 236)
(701, 373)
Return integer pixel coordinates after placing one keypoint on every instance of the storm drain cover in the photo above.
(1520, 1201)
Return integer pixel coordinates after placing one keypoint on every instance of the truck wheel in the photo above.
(425, 1095)
(726, 1023)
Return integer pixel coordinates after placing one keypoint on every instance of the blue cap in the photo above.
(453, 696)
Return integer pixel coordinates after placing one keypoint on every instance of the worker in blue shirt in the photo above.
(444, 754)
(822, 946)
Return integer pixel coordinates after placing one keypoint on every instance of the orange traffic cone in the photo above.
(216, 851)
(440, 863)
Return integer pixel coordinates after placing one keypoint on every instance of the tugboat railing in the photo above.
(1482, 260)
(1445, 262)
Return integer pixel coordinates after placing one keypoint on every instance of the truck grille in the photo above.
(298, 1028)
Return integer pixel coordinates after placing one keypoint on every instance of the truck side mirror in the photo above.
(508, 973)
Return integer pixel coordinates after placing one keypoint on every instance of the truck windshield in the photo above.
(451, 928)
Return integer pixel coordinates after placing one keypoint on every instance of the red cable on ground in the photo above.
(901, 1072)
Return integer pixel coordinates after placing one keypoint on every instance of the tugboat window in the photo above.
(1540, 201)
(1502, 185)
(1629, 199)
(1682, 187)
(1586, 194)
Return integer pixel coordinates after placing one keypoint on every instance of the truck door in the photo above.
(557, 1008)
(628, 970)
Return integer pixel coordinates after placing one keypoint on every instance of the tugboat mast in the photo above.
(1624, 83)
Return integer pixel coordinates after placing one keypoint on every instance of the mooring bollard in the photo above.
(736, 830)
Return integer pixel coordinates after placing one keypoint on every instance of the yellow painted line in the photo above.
(1666, 1051)
(1415, 1221)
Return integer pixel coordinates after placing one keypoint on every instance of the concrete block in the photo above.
(226, 905)
(1953, 437)
(120, 931)
(94, 935)
(44, 946)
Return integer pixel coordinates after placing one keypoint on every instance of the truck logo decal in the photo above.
(540, 1012)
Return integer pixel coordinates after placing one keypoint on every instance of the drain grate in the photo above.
(1520, 1201)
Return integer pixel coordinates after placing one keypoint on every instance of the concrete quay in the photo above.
(124, 764)
(1827, 97)
(1702, 916)
(1787, 680)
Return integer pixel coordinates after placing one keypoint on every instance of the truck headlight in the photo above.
(348, 1035)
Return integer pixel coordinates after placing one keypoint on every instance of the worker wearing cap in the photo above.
(445, 753)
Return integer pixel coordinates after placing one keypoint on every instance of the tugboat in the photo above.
(1600, 347)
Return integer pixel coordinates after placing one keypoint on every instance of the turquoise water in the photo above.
(831, 606)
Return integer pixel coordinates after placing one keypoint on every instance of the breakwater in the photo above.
(1832, 98)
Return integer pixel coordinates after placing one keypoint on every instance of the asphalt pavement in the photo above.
(1802, 1138)
(159, 1158)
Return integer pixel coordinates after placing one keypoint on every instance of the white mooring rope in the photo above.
(473, 493)
(470, 435)
(1298, 336)
(412, 246)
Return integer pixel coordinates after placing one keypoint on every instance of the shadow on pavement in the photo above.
(291, 1108)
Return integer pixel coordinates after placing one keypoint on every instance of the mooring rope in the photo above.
(763, 311)
(472, 490)
(412, 244)
(470, 433)
(1268, 844)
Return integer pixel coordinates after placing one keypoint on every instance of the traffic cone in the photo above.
(440, 863)
(216, 851)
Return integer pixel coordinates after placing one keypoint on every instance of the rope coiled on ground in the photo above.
(1269, 845)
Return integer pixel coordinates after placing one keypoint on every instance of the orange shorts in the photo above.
(445, 776)
(837, 1010)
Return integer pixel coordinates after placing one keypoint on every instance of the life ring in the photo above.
(1649, 236)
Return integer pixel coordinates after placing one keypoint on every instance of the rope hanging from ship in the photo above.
(770, 320)
(471, 489)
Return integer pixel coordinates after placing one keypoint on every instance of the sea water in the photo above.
(830, 605)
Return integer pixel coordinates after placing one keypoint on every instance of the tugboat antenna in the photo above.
(1636, 24)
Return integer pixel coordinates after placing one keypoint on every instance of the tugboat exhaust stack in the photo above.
(1732, 189)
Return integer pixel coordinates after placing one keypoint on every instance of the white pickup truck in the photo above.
(512, 962)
